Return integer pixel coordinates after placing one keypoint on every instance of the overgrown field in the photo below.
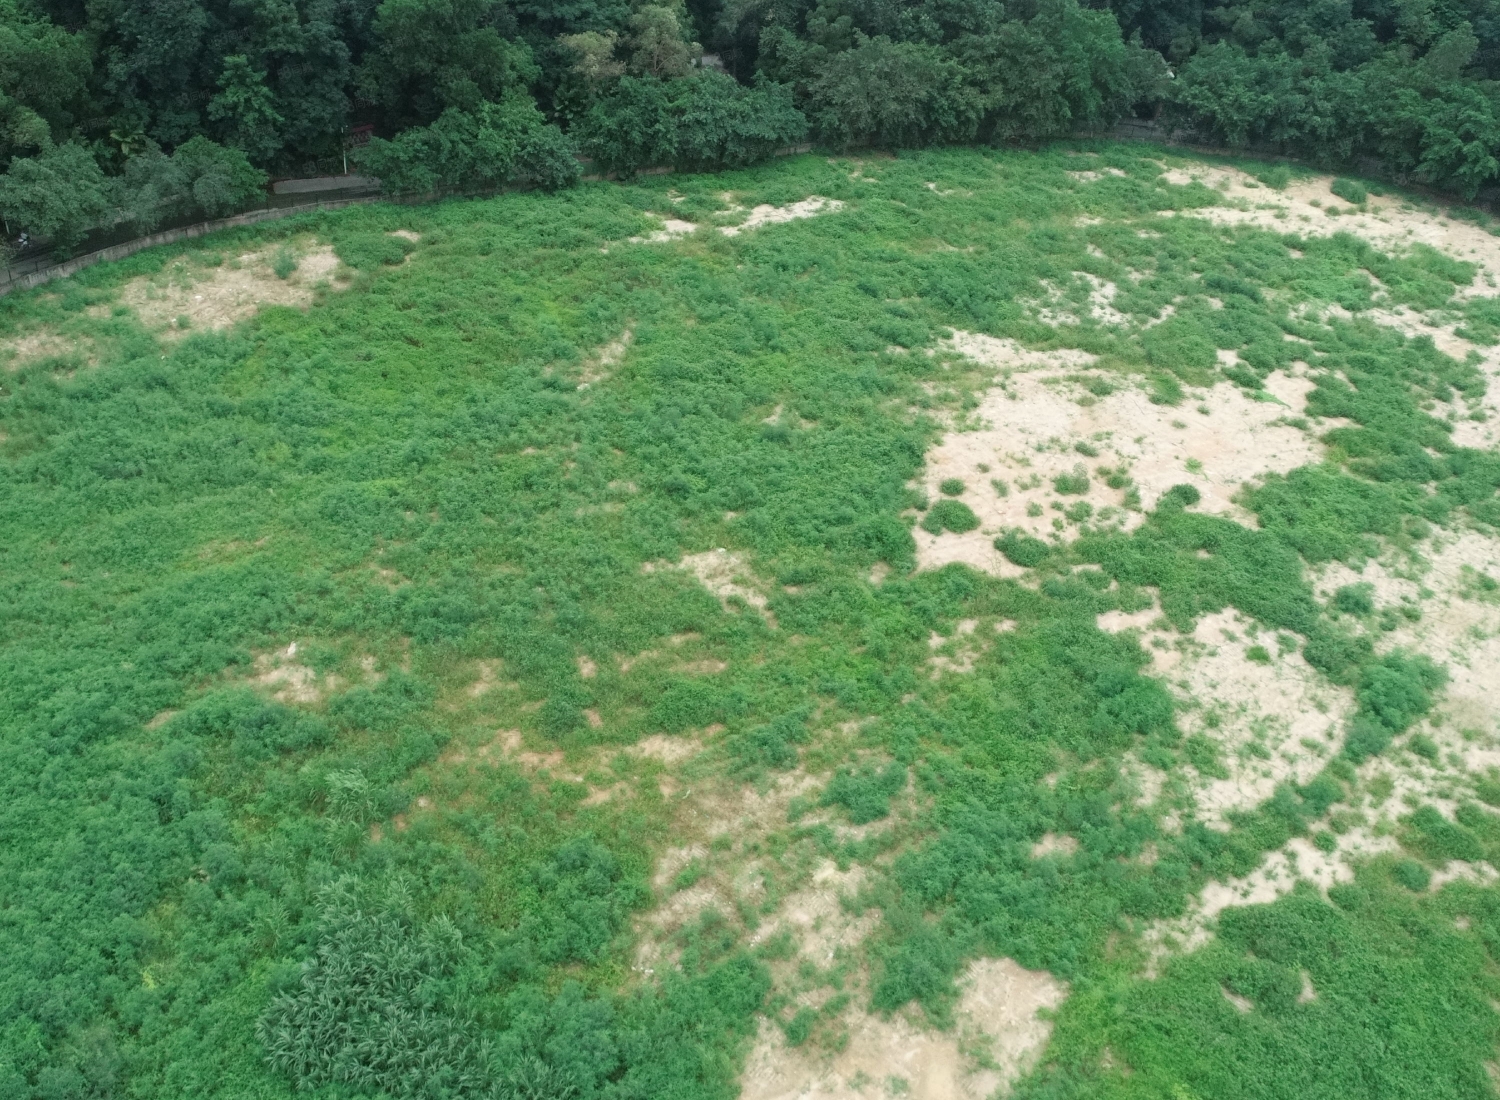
(933, 625)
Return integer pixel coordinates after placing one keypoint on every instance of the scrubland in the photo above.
(940, 625)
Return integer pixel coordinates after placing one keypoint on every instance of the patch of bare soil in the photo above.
(717, 808)
(671, 229)
(726, 574)
(1458, 625)
(42, 344)
(290, 681)
(766, 214)
(602, 363)
(1052, 423)
(999, 1034)
(183, 297)
(1390, 224)
(816, 917)
(956, 654)
(1275, 720)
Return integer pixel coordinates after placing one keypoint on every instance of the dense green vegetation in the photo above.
(207, 891)
(98, 99)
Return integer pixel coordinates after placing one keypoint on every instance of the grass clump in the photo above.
(1022, 549)
(949, 515)
(1349, 190)
(283, 262)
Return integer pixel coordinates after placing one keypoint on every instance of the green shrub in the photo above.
(1182, 346)
(865, 793)
(1275, 176)
(1071, 484)
(1355, 599)
(1412, 875)
(952, 487)
(950, 515)
(772, 745)
(1349, 190)
(283, 263)
(1022, 549)
(368, 251)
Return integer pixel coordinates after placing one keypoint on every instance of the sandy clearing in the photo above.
(997, 1015)
(289, 680)
(1456, 629)
(726, 574)
(1388, 223)
(218, 297)
(816, 917)
(717, 808)
(671, 229)
(601, 364)
(1054, 311)
(766, 214)
(40, 344)
(1035, 423)
(1260, 714)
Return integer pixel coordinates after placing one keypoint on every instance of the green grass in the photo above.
(208, 892)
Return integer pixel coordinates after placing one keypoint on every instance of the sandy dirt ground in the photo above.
(1043, 422)
(183, 298)
(764, 214)
(998, 1035)
(1272, 716)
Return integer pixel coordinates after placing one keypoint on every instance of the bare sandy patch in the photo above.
(1005, 354)
(1046, 424)
(602, 363)
(39, 345)
(1457, 627)
(1116, 622)
(671, 229)
(817, 917)
(1274, 721)
(218, 297)
(487, 679)
(406, 234)
(766, 214)
(726, 574)
(1389, 223)
(1459, 624)
(1297, 861)
(668, 750)
(717, 808)
(1055, 309)
(1052, 844)
(289, 680)
(998, 1017)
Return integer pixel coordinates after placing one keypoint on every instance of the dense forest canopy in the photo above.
(135, 111)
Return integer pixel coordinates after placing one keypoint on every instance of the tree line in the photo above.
(138, 111)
